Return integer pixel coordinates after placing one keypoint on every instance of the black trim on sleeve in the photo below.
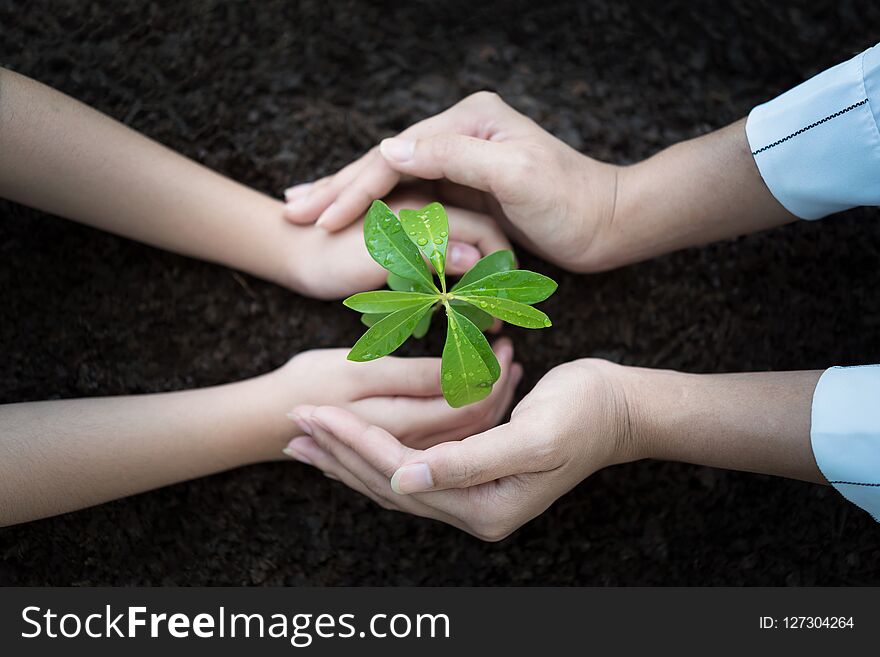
(811, 126)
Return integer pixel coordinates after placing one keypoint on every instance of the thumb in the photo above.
(468, 161)
(493, 454)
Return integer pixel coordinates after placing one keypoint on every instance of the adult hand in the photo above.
(573, 423)
(402, 395)
(491, 158)
(333, 265)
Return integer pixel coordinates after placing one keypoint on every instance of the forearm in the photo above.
(59, 456)
(65, 158)
(757, 422)
(699, 191)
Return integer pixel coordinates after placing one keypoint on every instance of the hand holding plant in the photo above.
(491, 288)
(573, 423)
(334, 265)
(485, 155)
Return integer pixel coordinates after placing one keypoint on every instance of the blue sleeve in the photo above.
(845, 433)
(817, 146)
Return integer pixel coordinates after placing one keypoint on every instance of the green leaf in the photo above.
(481, 319)
(401, 284)
(386, 301)
(511, 312)
(368, 319)
(388, 334)
(428, 229)
(464, 377)
(478, 340)
(517, 285)
(422, 327)
(388, 245)
(490, 264)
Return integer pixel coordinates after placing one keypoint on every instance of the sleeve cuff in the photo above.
(817, 146)
(845, 433)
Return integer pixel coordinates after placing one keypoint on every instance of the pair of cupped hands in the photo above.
(389, 434)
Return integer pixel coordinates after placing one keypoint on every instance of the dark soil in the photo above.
(273, 93)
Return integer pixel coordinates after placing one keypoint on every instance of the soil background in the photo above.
(272, 93)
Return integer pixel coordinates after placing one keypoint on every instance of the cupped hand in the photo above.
(487, 157)
(573, 423)
(334, 265)
(401, 395)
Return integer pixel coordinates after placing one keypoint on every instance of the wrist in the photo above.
(755, 422)
(609, 390)
(265, 401)
(597, 207)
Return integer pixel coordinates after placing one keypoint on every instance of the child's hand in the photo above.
(401, 395)
(334, 265)
(548, 196)
(573, 423)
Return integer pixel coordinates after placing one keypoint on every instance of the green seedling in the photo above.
(491, 288)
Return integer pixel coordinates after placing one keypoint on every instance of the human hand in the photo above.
(334, 265)
(490, 158)
(401, 395)
(573, 423)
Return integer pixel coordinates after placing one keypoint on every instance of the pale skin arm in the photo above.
(583, 214)
(63, 157)
(58, 456)
(581, 417)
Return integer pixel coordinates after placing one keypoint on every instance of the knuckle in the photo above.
(484, 98)
(385, 504)
(454, 472)
(442, 147)
(492, 530)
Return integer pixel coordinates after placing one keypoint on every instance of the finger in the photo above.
(502, 451)
(465, 160)
(352, 190)
(461, 256)
(369, 452)
(297, 191)
(413, 377)
(414, 418)
(499, 406)
(356, 466)
(306, 450)
(306, 209)
(374, 181)
(477, 229)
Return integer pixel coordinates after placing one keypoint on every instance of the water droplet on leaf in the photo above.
(422, 241)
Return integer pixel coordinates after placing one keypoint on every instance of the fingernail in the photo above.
(302, 422)
(295, 206)
(296, 190)
(399, 150)
(332, 476)
(322, 220)
(413, 478)
(455, 254)
(295, 455)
